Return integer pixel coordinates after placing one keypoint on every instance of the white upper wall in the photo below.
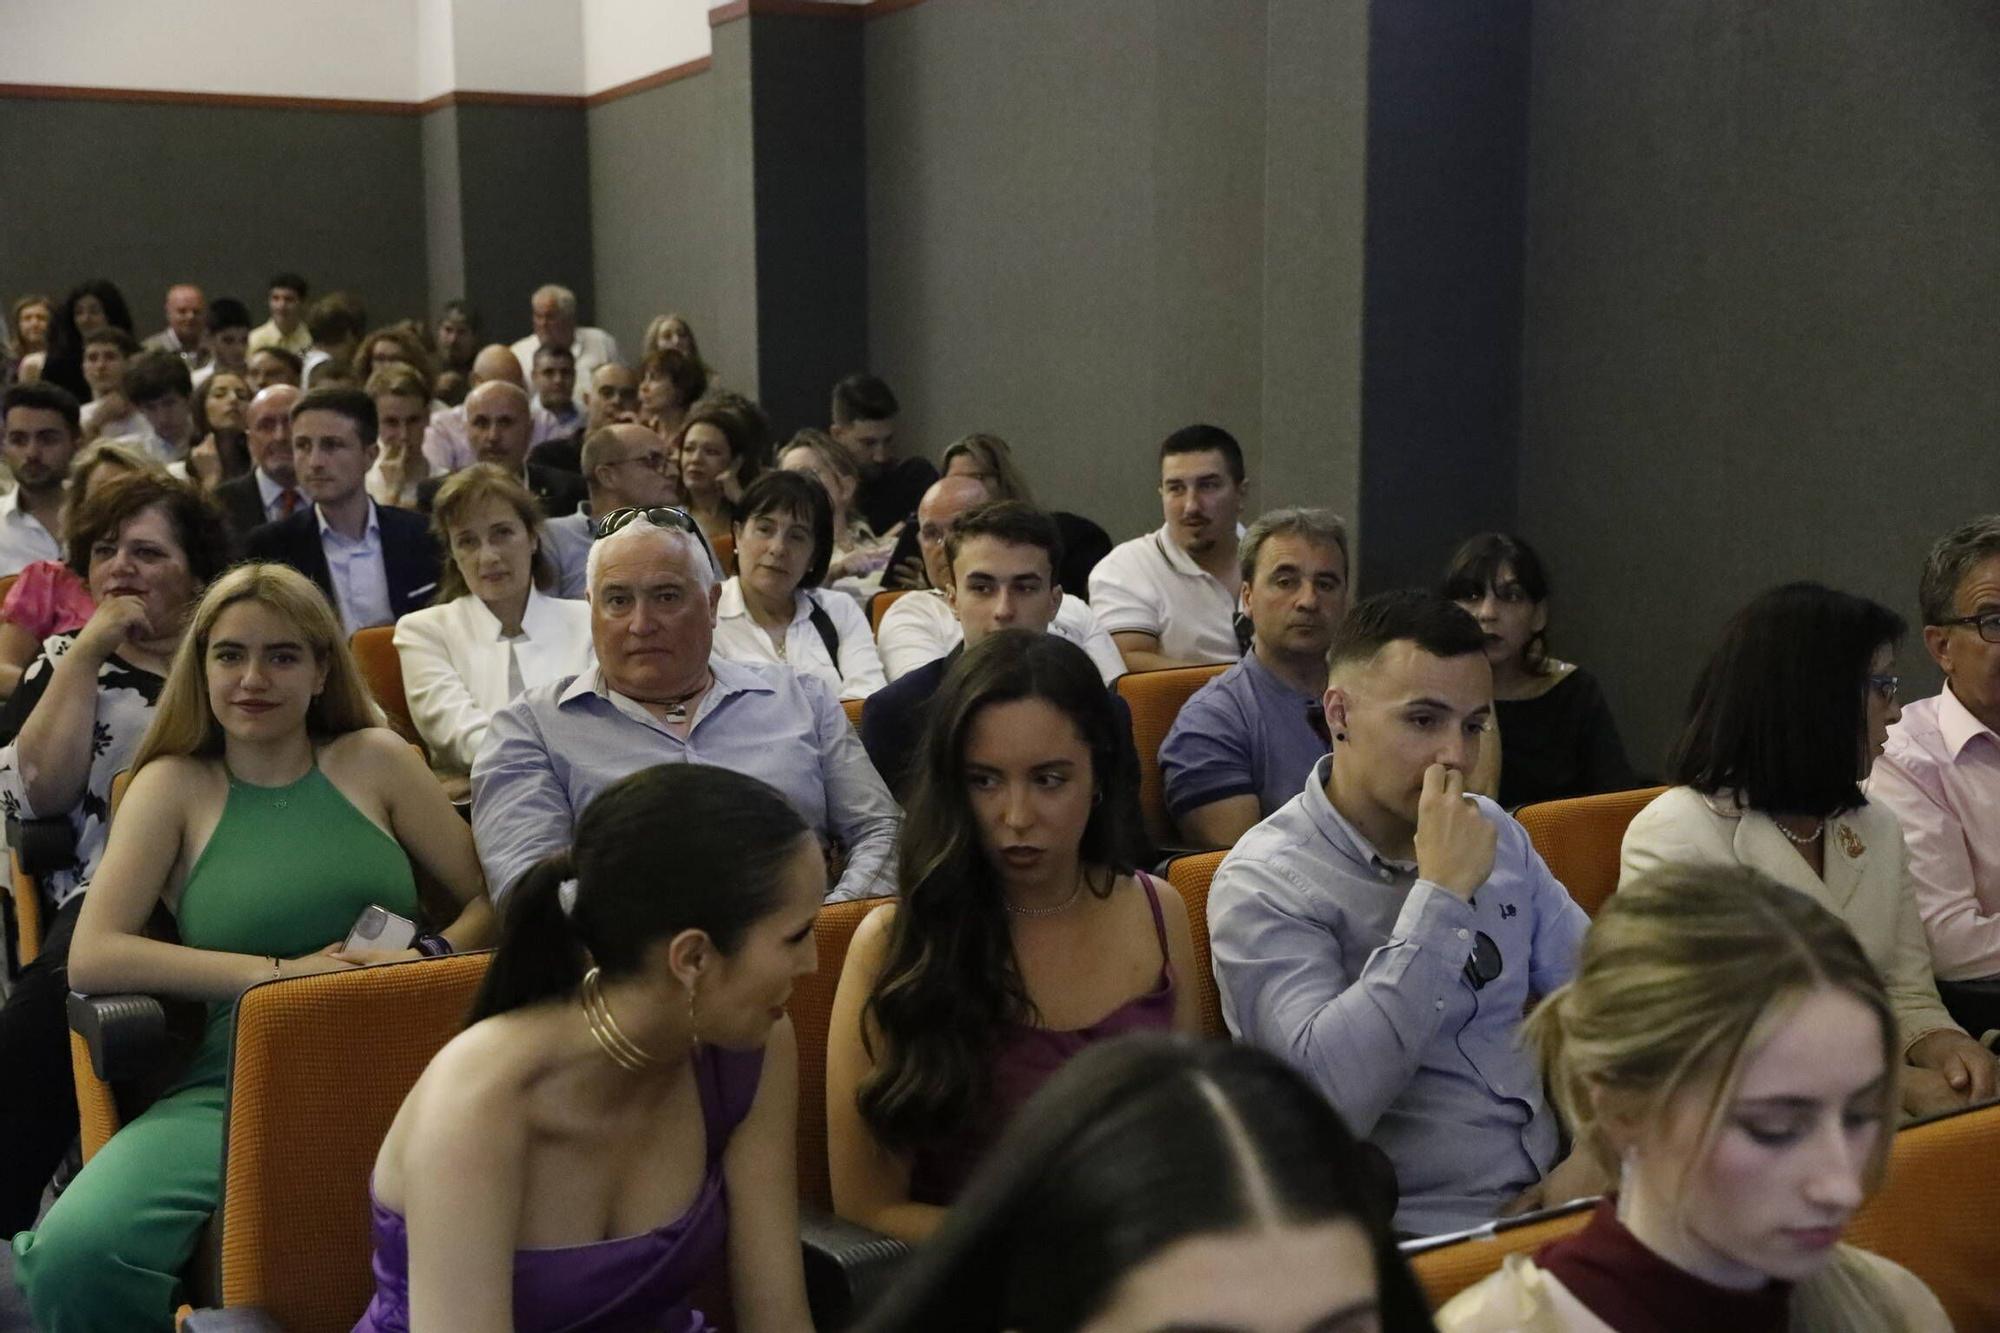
(366, 50)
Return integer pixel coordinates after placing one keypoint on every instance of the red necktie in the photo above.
(287, 502)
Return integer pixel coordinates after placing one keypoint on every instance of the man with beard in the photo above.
(42, 430)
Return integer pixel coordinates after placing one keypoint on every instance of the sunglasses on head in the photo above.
(660, 516)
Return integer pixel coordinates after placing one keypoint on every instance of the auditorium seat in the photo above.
(1155, 698)
(852, 707)
(382, 668)
(1191, 875)
(879, 604)
(1580, 839)
(1444, 1270)
(811, 1009)
(1938, 1212)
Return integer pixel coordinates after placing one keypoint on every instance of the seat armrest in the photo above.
(126, 1034)
(848, 1267)
(234, 1319)
(44, 846)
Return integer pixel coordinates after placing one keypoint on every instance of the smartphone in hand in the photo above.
(381, 930)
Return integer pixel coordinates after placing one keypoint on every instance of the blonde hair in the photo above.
(88, 460)
(1684, 973)
(184, 723)
(995, 460)
(474, 485)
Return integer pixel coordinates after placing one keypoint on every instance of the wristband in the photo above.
(433, 946)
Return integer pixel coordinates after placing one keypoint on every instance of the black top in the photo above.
(1560, 744)
(888, 499)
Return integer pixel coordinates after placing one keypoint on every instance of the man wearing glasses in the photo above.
(1385, 930)
(625, 466)
(1940, 771)
(657, 696)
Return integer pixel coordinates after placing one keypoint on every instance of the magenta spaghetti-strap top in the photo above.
(1028, 1057)
(627, 1285)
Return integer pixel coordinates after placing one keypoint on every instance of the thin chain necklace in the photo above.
(1056, 910)
(677, 712)
(624, 1052)
(1806, 840)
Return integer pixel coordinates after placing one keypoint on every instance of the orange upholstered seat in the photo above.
(811, 1009)
(852, 707)
(1580, 838)
(1155, 698)
(27, 912)
(1446, 1270)
(1191, 876)
(1938, 1213)
(382, 667)
(879, 604)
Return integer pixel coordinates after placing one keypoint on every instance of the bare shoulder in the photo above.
(871, 937)
(170, 781)
(371, 750)
(479, 1083)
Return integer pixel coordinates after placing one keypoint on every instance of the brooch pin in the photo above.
(1851, 843)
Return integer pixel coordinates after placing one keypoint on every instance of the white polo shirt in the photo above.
(919, 627)
(1149, 585)
(23, 539)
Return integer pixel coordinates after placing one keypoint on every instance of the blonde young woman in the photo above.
(268, 809)
(1727, 1051)
(859, 556)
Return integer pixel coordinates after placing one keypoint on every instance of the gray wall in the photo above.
(524, 193)
(1759, 341)
(148, 195)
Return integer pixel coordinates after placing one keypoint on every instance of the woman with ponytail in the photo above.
(616, 1121)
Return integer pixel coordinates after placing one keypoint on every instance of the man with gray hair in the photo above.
(1940, 772)
(625, 466)
(658, 696)
(553, 309)
(1243, 744)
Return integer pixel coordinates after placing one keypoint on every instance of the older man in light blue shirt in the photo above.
(657, 697)
(1384, 931)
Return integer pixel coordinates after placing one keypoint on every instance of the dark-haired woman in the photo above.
(1558, 738)
(1789, 716)
(617, 1120)
(90, 306)
(1164, 1183)
(1019, 936)
(721, 446)
(770, 611)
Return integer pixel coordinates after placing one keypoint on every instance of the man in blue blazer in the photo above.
(373, 562)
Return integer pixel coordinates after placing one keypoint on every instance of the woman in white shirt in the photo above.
(769, 611)
(495, 630)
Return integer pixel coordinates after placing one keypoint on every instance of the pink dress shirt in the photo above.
(1940, 773)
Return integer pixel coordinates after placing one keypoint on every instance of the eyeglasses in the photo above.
(660, 516)
(1986, 622)
(655, 461)
(1886, 686)
(1485, 963)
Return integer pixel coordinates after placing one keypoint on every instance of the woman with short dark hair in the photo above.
(1788, 717)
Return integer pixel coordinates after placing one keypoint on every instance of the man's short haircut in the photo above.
(564, 298)
(226, 312)
(688, 376)
(290, 281)
(151, 376)
(1440, 628)
(127, 345)
(600, 449)
(551, 352)
(1202, 439)
(705, 573)
(291, 360)
(396, 380)
(46, 397)
(352, 403)
(794, 495)
(1007, 521)
(863, 398)
(1321, 527)
(336, 318)
(1950, 561)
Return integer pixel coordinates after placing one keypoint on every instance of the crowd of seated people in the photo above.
(627, 621)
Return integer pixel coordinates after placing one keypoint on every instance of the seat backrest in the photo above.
(27, 892)
(382, 667)
(1580, 839)
(852, 707)
(1191, 875)
(879, 604)
(318, 1068)
(811, 1008)
(1155, 698)
(1938, 1212)
(1445, 1270)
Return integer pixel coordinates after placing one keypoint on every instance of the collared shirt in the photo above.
(569, 547)
(1349, 966)
(448, 447)
(23, 539)
(1149, 585)
(273, 496)
(740, 638)
(592, 347)
(1245, 733)
(166, 340)
(298, 342)
(920, 627)
(360, 579)
(1940, 774)
(553, 749)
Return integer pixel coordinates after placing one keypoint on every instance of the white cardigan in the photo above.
(1867, 883)
(455, 666)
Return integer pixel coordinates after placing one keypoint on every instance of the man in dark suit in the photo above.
(373, 562)
(498, 427)
(269, 491)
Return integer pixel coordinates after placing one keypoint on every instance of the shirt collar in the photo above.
(1346, 839)
(1265, 679)
(730, 678)
(268, 488)
(371, 530)
(1177, 560)
(730, 606)
(1956, 725)
(10, 506)
(489, 624)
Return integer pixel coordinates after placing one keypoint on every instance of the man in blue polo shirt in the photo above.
(1242, 746)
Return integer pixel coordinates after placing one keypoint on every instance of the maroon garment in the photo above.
(1636, 1291)
(1026, 1058)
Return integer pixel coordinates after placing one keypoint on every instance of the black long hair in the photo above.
(1780, 713)
(64, 362)
(670, 848)
(949, 982)
(1475, 567)
(1135, 1144)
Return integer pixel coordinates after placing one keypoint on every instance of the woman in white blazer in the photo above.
(494, 630)
(772, 608)
(1788, 718)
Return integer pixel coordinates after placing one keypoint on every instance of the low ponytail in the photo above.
(540, 956)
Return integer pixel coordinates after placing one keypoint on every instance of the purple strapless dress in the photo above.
(633, 1284)
(1028, 1057)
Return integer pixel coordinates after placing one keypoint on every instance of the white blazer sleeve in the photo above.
(860, 665)
(448, 716)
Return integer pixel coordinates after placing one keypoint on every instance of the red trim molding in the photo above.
(662, 79)
(808, 9)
